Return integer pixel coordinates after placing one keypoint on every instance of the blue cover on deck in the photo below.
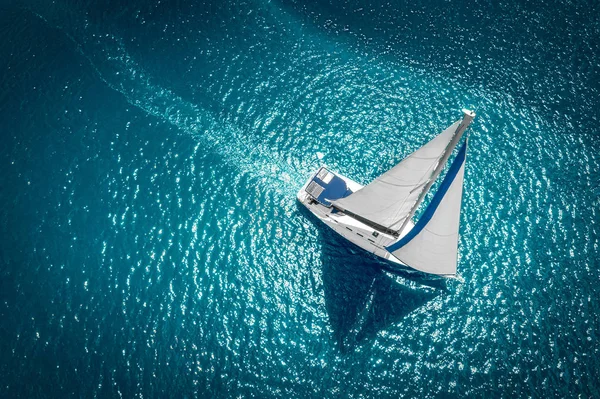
(335, 189)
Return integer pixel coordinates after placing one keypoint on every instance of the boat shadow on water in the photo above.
(365, 295)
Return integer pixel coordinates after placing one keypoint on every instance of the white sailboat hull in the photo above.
(353, 230)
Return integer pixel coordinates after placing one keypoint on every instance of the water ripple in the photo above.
(154, 246)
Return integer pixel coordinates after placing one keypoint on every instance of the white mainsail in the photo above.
(392, 198)
(432, 245)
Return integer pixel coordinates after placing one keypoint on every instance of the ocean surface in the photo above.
(151, 244)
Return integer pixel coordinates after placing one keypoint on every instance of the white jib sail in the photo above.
(389, 199)
(432, 245)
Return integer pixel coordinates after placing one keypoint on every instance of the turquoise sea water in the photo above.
(151, 244)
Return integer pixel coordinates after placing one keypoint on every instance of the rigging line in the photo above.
(419, 186)
(396, 185)
(439, 235)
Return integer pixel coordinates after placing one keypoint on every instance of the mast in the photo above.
(467, 119)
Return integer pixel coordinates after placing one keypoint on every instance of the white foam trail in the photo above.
(119, 71)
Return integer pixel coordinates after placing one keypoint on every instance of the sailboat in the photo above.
(378, 217)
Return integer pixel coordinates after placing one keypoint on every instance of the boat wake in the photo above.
(106, 53)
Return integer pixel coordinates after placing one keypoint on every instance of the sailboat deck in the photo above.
(354, 230)
(326, 186)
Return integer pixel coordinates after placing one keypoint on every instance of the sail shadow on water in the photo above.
(362, 294)
(391, 302)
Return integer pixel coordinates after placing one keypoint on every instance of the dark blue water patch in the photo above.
(481, 44)
(152, 244)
